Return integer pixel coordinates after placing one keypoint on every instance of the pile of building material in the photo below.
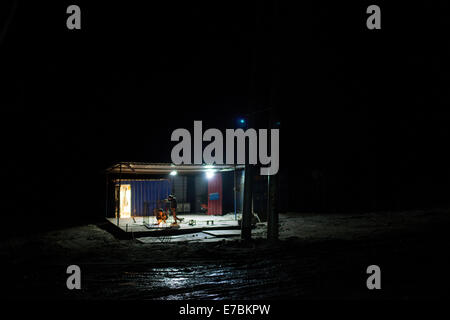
(205, 236)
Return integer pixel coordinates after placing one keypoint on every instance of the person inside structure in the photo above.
(173, 208)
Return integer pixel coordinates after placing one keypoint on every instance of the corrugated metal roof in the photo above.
(165, 168)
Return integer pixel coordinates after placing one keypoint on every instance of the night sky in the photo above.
(364, 113)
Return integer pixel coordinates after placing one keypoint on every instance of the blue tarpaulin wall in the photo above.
(145, 195)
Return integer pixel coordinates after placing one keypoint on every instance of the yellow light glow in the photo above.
(125, 201)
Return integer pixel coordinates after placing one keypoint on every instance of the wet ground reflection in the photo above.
(205, 281)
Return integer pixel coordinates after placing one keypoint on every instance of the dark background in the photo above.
(363, 113)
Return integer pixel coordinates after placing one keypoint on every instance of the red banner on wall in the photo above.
(215, 195)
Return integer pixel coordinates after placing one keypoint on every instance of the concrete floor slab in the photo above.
(140, 226)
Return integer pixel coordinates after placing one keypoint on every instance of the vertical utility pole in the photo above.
(272, 216)
(273, 181)
(272, 196)
(246, 227)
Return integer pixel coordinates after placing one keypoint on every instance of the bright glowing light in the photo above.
(209, 174)
(125, 201)
(242, 121)
(173, 173)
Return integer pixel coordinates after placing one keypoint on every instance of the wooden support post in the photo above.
(118, 196)
(246, 226)
(235, 193)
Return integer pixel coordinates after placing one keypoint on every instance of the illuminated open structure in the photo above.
(208, 196)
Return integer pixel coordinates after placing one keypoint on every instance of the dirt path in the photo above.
(319, 256)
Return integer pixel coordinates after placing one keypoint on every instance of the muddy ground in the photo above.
(318, 256)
